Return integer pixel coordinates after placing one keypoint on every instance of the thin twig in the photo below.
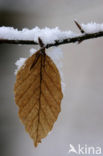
(79, 26)
(6, 41)
(78, 38)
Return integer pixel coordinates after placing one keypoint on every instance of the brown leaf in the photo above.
(38, 95)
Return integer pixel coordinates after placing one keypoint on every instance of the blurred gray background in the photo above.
(81, 118)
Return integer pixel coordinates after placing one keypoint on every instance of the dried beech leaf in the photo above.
(38, 95)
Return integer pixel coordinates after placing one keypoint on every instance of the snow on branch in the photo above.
(50, 37)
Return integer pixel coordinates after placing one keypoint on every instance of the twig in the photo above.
(82, 37)
(79, 39)
(79, 26)
(6, 41)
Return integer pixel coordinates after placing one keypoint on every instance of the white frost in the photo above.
(56, 55)
(50, 35)
(22, 60)
(32, 51)
(46, 34)
(19, 63)
(92, 27)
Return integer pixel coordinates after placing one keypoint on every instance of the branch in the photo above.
(79, 38)
(7, 41)
(76, 39)
(70, 39)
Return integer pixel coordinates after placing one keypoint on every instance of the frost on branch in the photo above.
(48, 35)
(92, 27)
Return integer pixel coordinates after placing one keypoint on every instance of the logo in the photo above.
(80, 150)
